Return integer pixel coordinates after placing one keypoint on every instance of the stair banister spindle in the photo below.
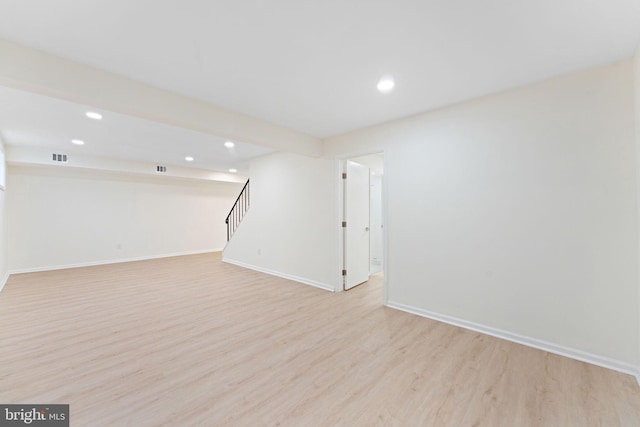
(240, 207)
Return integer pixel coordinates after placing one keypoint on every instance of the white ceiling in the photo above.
(311, 66)
(31, 120)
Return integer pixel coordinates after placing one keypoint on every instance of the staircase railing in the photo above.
(240, 207)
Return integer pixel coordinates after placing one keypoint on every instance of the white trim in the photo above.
(571, 353)
(385, 230)
(113, 261)
(3, 281)
(320, 285)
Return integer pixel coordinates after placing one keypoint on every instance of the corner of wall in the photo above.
(3, 280)
(4, 261)
(289, 229)
(636, 82)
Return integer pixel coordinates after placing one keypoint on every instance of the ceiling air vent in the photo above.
(62, 158)
(161, 169)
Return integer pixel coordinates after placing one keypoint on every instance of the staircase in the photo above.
(240, 207)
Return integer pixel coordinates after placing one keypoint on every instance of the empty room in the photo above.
(297, 213)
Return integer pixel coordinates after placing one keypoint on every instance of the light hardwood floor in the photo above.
(190, 341)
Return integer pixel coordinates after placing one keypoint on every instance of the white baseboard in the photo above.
(3, 281)
(279, 274)
(112, 261)
(572, 353)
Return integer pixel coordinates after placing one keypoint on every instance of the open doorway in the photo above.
(363, 233)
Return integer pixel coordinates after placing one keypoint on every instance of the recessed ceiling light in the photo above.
(189, 159)
(233, 170)
(229, 144)
(77, 142)
(95, 116)
(386, 84)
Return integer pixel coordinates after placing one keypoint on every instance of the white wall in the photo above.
(26, 155)
(636, 72)
(291, 227)
(4, 268)
(59, 216)
(518, 212)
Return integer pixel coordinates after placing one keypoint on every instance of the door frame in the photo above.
(340, 169)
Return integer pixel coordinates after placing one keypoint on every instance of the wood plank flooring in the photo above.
(191, 341)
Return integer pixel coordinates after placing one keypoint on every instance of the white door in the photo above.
(356, 242)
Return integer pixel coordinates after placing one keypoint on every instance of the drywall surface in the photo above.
(291, 227)
(636, 74)
(4, 267)
(61, 217)
(518, 211)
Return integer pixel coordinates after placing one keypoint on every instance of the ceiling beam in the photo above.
(35, 71)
